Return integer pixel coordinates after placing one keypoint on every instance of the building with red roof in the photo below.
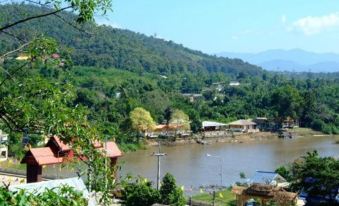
(57, 152)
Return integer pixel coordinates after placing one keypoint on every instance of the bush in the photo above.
(140, 193)
(170, 193)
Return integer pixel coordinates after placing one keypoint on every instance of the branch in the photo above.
(17, 70)
(72, 25)
(60, 17)
(33, 17)
(15, 50)
(13, 36)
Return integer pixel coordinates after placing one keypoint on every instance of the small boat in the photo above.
(200, 141)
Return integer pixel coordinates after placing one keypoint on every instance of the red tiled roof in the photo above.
(42, 156)
(97, 144)
(112, 149)
(61, 144)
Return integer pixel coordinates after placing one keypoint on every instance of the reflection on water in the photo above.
(190, 165)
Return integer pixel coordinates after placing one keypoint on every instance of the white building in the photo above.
(3, 146)
(234, 83)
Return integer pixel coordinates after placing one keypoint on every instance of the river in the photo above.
(193, 168)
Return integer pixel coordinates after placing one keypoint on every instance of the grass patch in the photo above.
(224, 197)
(12, 165)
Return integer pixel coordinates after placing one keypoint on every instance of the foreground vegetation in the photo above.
(64, 196)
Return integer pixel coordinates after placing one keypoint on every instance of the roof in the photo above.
(112, 149)
(242, 122)
(60, 143)
(212, 124)
(283, 196)
(261, 118)
(266, 177)
(39, 187)
(41, 156)
(191, 95)
(260, 190)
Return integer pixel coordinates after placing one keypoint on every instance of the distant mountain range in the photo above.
(290, 60)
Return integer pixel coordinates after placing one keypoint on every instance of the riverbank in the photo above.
(240, 138)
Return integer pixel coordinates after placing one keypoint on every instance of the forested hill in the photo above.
(104, 46)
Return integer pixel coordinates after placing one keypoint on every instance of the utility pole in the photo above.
(159, 155)
(221, 167)
(213, 203)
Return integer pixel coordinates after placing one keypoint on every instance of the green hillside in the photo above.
(103, 46)
(114, 71)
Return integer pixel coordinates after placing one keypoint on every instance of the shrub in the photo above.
(170, 193)
(140, 194)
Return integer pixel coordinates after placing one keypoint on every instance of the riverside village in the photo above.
(169, 103)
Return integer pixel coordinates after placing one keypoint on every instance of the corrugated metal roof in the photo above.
(263, 177)
(212, 124)
(242, 122)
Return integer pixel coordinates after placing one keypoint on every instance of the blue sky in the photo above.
(233, 25)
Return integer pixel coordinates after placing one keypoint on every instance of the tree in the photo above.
(316, 175)
(84, 9)
(284, 172)
(32, 102)
(141, 120)
(170, 193)
(180, 119)
(287, 102)
(167, 114)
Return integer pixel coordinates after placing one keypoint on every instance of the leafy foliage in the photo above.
(179, 118)
(141, 120)
(64, 196)
(141, 193)
(316, 175)
(170, 193)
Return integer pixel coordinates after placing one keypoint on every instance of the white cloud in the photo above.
(283, 19)
(314, 24)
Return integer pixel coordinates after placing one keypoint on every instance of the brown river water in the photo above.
(193, 168)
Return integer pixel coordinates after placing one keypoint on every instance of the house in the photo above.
(290, 123)
(214, 129)
(269, 178)
(3, 146)
(192, 96)
(218, 86)
(170, 130)
(263, 123)
(234, 83)
(263, 193)
(242, 125)
(57, 152)
(213, 126)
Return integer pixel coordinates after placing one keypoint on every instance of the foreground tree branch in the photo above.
(33, 17)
